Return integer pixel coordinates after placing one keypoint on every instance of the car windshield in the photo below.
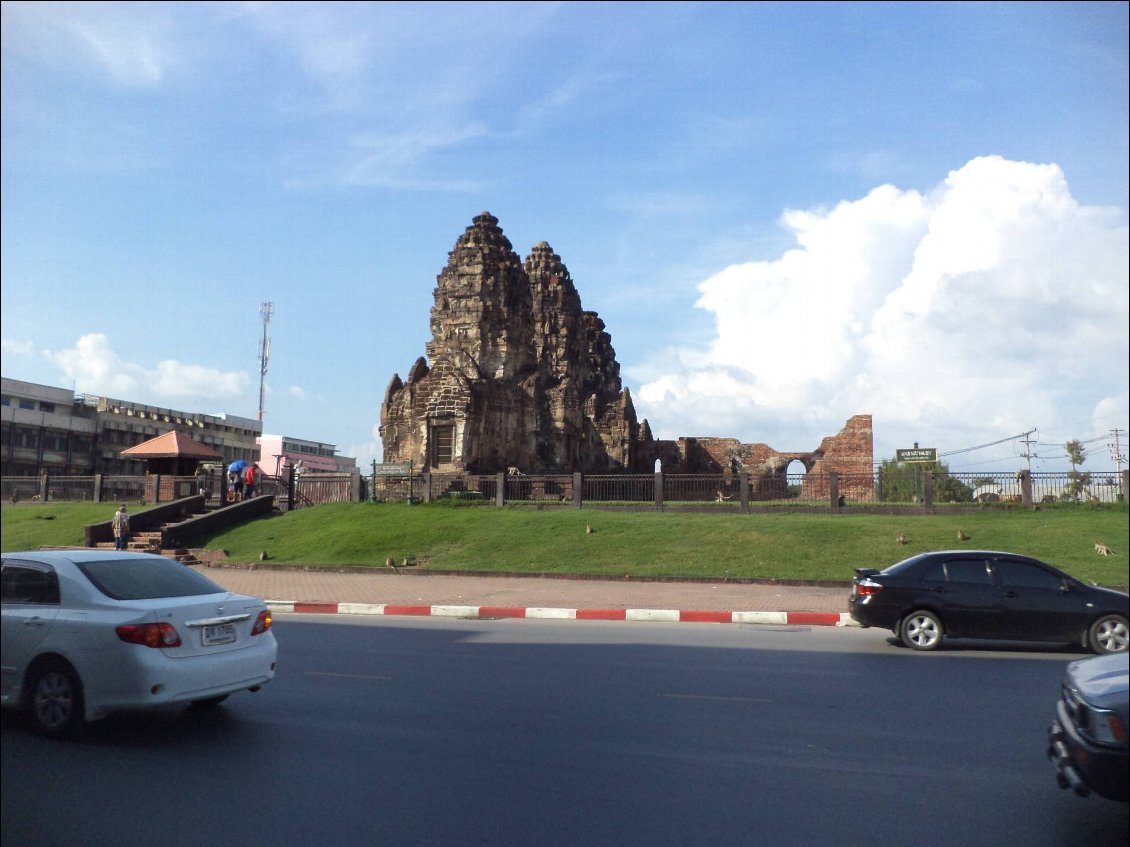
(146, 579)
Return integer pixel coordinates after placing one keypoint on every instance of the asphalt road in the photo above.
(510, 732)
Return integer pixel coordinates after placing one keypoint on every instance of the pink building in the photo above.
(277, 452)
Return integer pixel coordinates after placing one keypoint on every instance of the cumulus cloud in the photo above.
(93, 367)
(989, 305)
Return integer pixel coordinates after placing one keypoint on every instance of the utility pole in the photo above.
(265, 309)
(1116, 450)
(1028, 441)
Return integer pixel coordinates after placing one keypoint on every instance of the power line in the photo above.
(983, 446)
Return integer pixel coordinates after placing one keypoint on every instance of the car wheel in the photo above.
(54, 699)
(921, 630)
(209, 703)
(1109, 634)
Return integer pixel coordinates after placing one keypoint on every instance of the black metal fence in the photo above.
(291, 491)
(905, 487)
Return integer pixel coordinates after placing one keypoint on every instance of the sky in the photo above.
(786, 214)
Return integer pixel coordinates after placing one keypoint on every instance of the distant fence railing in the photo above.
(292, 491)
(905, 487)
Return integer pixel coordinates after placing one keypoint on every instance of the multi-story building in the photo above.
(55, 431)
(278, 451)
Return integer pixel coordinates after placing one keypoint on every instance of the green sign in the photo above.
(925, 455)
(392, 469)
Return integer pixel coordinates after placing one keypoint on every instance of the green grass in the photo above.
(781, 546)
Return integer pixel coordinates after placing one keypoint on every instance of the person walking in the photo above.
(121, 528)
(250, 480)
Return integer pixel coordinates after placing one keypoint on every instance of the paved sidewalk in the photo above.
(385, 592)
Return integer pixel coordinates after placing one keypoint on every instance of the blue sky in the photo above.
(786, 214)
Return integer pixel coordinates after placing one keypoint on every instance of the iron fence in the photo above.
(903, 487)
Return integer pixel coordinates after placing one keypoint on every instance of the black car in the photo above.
(987, 594)
(1087, 739)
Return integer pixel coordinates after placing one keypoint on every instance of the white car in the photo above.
(90, 632)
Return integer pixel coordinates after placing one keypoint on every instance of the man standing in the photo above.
(250, 480)
(121, 528)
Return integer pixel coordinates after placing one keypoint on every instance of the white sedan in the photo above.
(90, 632)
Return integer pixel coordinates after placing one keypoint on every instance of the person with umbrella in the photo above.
(235, 479)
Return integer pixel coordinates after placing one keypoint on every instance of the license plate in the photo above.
(219, 634)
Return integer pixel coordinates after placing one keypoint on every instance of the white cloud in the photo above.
(93, 367)
(991, 304)
(17, 348)
(131, 44)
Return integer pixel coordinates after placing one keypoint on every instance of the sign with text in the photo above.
(918, 454)
(392, 469)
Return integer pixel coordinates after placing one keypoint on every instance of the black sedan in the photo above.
(987, 594)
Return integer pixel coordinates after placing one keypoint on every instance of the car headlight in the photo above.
(1103, 726)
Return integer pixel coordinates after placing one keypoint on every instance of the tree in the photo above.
(901, 482)
(1076, 481)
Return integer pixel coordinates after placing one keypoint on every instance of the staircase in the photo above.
(152, 541)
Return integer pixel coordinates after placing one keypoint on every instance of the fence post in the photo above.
(500, 489)
(98, 488)
(578, 490)
(928, 490)
(153, 495)
(427, 486)
(44, 487)
(1026, 488)
(291, 481)
(659, 490)
(1125, 484)
(834, 490)
(743, 488)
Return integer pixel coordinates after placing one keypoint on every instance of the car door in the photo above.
(29, 605)
(1037, 603)
(971, 607)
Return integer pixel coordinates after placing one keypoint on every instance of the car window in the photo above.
(934, 572)
(146, 579)
(909, 565)
(1024, 575)
(974, 571)
(27, 584)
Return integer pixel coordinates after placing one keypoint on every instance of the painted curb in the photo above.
(534, 612)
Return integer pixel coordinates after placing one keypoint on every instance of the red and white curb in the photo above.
(652, 615)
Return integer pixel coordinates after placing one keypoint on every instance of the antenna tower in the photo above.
(265, 309)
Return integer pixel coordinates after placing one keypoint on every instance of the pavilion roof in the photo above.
(171, 445)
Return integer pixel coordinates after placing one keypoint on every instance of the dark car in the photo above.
(1087, 739)
(987, 594)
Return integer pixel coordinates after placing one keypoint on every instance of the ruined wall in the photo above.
(850, 453)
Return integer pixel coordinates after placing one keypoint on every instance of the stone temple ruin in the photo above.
(522, 377)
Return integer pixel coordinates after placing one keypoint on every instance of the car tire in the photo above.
(1109, 634)
(54, 699)
(921, 630)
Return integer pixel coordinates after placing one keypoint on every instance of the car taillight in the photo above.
(866, 588)
(149, 634)
(262, 623)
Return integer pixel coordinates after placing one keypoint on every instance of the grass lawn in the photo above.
(781, 546)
